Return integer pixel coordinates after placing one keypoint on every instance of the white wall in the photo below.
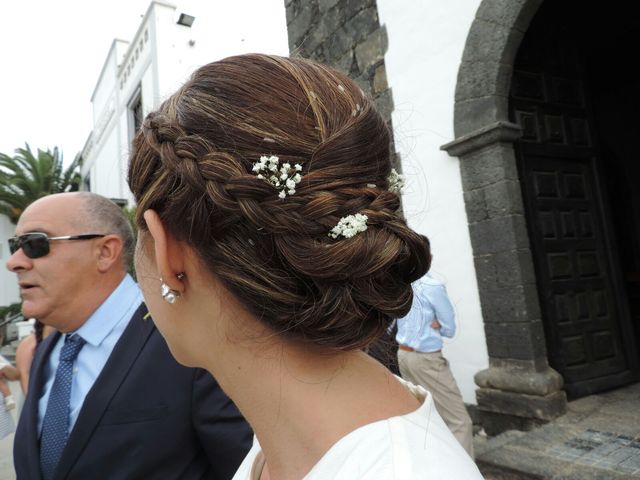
(426, 41)
(160, 57)
(8, 283)
(218, 32)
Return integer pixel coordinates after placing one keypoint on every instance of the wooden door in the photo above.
(584, 308)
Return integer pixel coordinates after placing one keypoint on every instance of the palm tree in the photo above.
(25, 177)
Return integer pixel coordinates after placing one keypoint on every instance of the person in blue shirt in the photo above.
(420, 357)
(106, 399)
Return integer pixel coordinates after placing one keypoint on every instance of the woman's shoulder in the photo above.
(413, 446)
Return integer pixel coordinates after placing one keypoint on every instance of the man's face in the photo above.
(54, 286)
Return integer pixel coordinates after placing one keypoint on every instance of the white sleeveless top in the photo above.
(409, 447)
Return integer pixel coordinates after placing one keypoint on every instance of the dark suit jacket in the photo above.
(146, 417)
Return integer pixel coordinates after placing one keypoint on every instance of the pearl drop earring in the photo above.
(168, 294)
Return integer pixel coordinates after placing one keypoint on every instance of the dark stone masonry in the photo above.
(347, 35)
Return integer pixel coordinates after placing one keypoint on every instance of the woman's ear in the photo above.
(170, 256)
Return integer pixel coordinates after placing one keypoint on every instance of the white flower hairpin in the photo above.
(395, 181)
(349, 226)
(283, 177)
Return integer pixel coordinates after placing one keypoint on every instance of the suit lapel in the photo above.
(120, 361)
(29, 416)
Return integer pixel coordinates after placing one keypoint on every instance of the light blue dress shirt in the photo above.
(101, 331)
(430, 301)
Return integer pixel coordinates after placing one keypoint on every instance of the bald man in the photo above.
(106, 399)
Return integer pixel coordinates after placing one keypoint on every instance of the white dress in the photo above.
(409, 447)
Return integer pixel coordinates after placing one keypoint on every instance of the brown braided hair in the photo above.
(192, 163)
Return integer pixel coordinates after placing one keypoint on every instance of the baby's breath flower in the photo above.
(349, 226)
(395, 181)
(283, 179)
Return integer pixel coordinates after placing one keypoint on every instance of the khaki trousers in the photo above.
(431, 370)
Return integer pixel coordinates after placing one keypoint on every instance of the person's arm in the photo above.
(445, 316)
(224, 434)
(24, 357)
(9, 372)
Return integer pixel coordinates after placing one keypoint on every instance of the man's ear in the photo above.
(109, 252)
(170, 256)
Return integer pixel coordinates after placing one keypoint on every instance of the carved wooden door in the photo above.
(584, 310)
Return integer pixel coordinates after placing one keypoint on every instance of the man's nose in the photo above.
(18, 261)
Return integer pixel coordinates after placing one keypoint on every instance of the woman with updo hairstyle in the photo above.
(271, 252)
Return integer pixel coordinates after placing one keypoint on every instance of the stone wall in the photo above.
(347, 35)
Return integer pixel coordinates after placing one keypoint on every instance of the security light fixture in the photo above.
(186, 20)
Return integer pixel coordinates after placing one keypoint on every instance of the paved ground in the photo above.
(598, 439)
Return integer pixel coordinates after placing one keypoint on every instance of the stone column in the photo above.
(519, 389)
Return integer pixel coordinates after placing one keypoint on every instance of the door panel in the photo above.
(567, 236)
(585, 314)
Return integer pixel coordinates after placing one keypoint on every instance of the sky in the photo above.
(52, 52)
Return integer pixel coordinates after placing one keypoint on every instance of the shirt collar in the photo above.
(110, 313)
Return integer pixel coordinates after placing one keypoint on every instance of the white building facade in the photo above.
(170, 43)
(8, 286)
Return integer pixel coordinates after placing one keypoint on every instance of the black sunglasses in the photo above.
(36, 244)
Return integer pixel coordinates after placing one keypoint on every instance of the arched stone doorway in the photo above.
(498, 163)
(566, 96)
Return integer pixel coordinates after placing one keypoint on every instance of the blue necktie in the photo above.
(55, 425)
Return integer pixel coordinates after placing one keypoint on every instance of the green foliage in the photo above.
(130, 213)
(26, 177)
(12, 309)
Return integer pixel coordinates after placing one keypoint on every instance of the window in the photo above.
(136, 115)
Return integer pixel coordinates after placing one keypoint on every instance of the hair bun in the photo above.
(193, 163)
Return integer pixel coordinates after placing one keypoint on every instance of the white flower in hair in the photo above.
(349, 226)
(395, 181)
(283, 177)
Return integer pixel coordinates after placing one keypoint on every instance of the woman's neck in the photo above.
(300, 403)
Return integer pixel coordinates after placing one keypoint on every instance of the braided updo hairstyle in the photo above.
(192, 163)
